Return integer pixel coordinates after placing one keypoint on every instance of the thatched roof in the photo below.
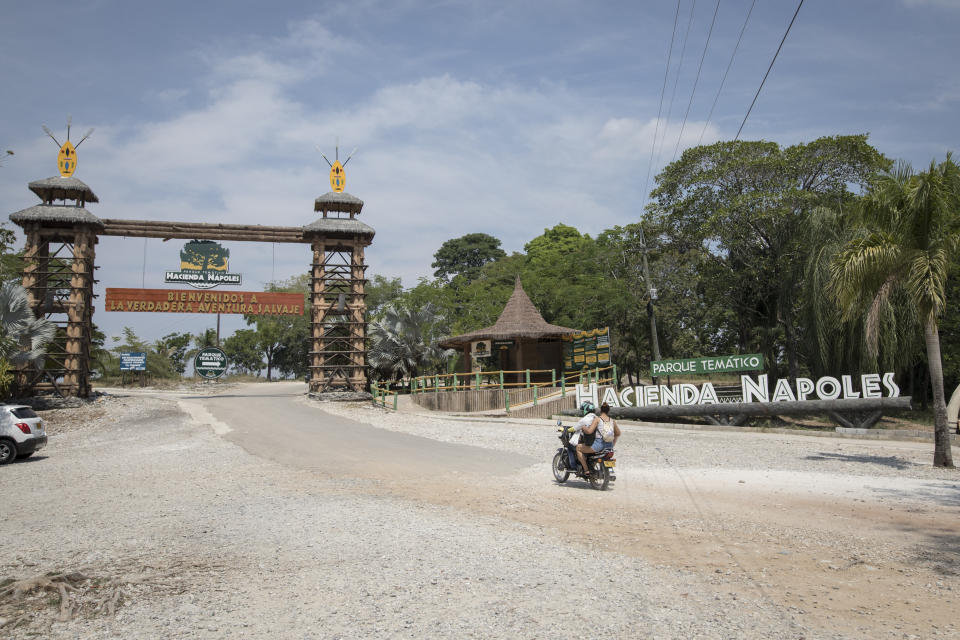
(338, 226)
(56, 214)
(60, 188)
(332, 201)
(519, 319)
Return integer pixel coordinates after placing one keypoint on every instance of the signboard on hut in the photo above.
(587, 349)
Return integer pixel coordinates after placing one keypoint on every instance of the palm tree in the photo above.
(910, 223)
(403, 342)
(838, 339)
(23, 337)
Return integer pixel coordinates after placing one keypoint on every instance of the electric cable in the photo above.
(696, 79)
(786, 33)
(683, 51)
(724, 79)
(663, 90)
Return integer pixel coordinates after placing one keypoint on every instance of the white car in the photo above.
(21, 432)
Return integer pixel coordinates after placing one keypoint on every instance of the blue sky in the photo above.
(497, 117)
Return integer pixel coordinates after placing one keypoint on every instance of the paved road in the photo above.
(272, 421)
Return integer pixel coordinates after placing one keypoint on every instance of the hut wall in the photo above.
(543, 354)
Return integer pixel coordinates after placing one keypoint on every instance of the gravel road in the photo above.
(160, 517)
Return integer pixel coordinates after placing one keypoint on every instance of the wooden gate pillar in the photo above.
(318, 311)
(338, 323)
(58, 277)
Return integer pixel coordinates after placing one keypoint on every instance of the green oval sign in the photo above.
(210, 363)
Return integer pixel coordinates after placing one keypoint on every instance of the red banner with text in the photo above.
(255, 303)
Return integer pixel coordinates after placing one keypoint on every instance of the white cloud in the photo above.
(439, 157)
(623, 137)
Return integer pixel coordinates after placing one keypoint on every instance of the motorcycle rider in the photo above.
(587, 410)
(602, 425)
(588, 433)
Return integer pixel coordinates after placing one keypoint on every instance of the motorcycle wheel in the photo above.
(559, 468)
(599, 475)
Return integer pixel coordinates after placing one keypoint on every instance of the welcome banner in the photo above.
(255, 303)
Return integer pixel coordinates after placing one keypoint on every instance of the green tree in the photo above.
(11, 262)
(689, 322)
(881, 336)
(269, 333)
(465, 255)
(283, 340)
(742, 206)
(23, 337)
(204, 254)
(910, 232)
(158, 364)
(204, 339)
(174, 346)
(950, 332)
(380, 292)
(243, 351)
(403, 343)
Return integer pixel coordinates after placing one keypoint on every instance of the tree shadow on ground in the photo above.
(886, 461)
(941, 494)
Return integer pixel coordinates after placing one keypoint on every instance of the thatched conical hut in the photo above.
(520, 339)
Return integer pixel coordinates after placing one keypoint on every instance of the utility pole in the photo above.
(651, 296)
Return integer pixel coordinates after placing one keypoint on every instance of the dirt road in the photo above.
(259, 513)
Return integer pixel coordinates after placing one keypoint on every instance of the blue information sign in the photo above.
(133, 361)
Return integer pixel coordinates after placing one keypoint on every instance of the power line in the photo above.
(724, 79)
(663, 90)
(768, 71)
(683, 51)
(696, 79)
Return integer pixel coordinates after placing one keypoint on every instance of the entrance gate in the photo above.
(58, 274)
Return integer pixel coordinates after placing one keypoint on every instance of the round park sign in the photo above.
(210, 363)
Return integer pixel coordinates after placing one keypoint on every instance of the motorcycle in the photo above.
(601, 464)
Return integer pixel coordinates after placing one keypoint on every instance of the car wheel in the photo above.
(8, 451)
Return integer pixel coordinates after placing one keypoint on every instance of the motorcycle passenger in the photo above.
(587, 410)
(608, 430)
(602, 425)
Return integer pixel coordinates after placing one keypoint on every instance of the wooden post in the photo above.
(318, 378)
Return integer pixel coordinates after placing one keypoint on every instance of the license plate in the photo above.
(609, 463)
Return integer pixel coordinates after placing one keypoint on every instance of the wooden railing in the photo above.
(557, 385)
(382, 393)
